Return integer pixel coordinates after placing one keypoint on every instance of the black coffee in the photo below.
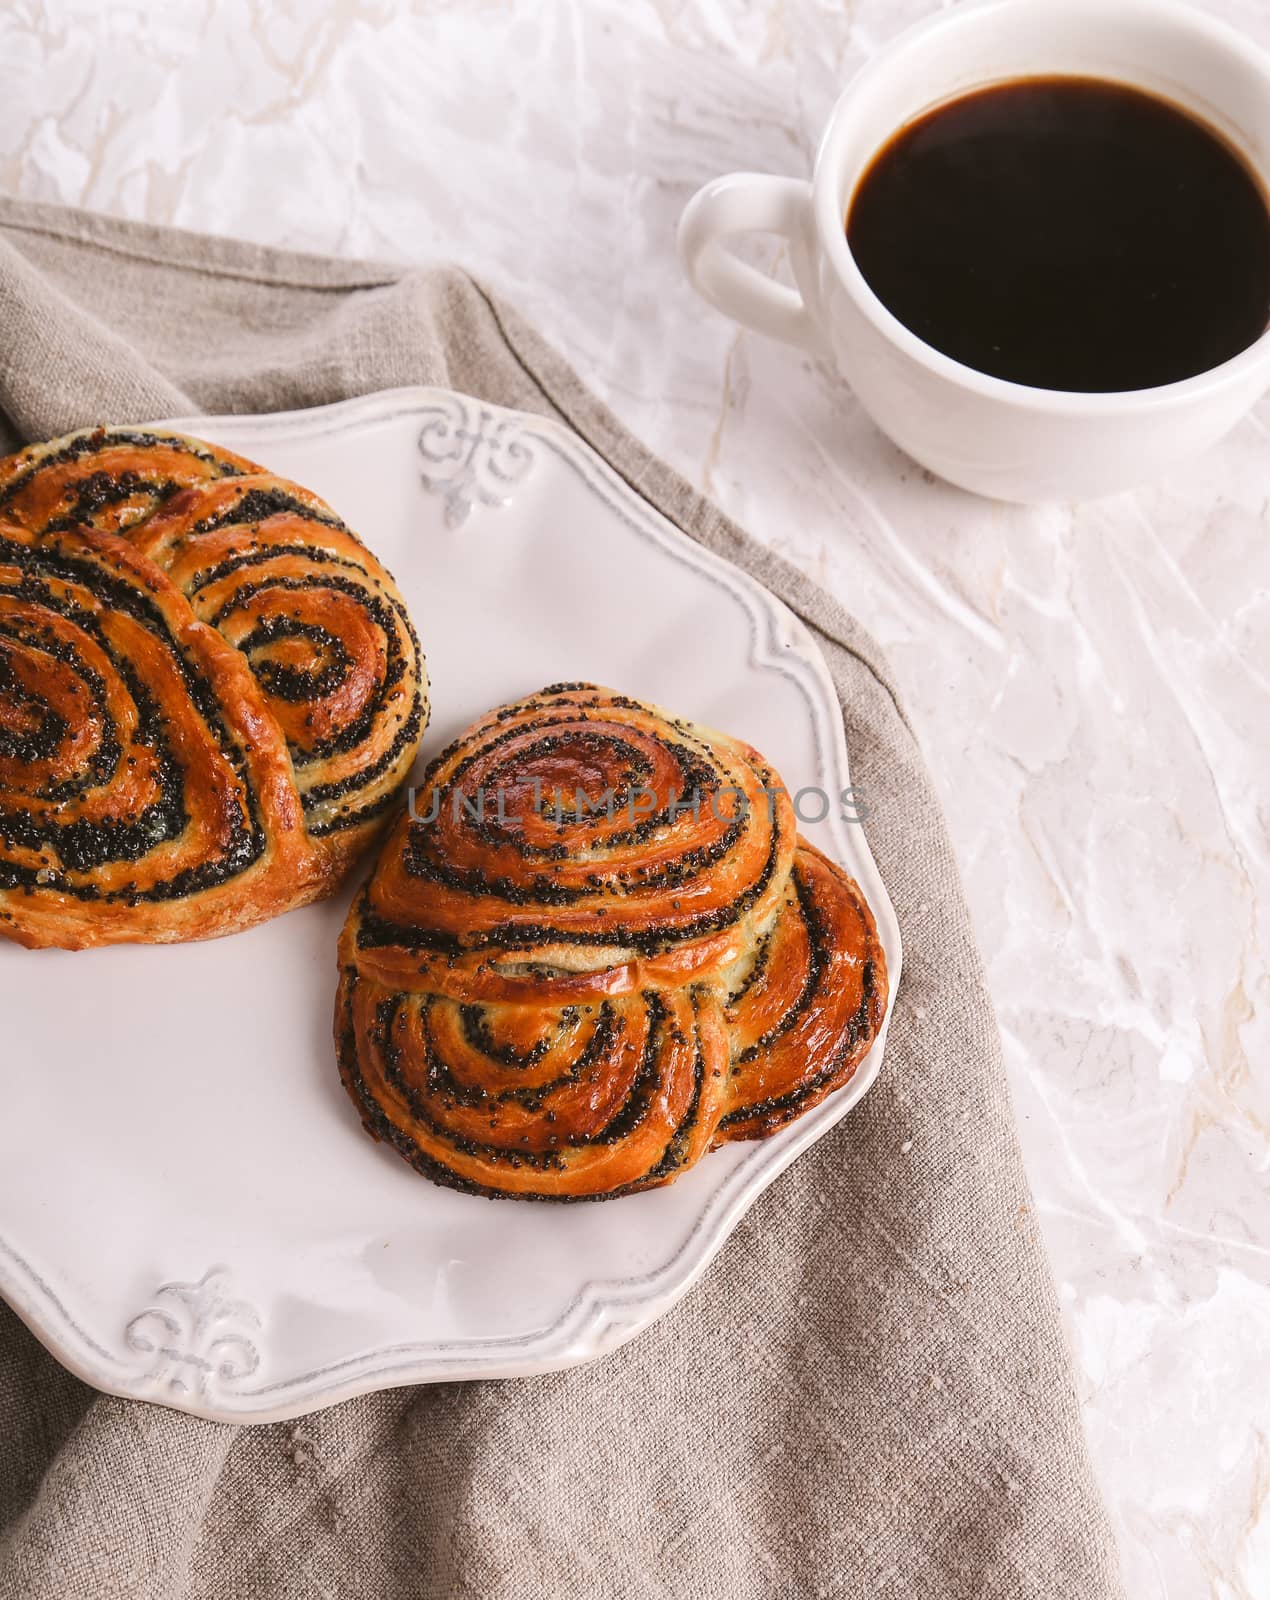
(1068, 233)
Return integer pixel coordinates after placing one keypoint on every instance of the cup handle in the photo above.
(751, 202)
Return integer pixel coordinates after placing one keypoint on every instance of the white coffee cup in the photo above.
(1002, 439)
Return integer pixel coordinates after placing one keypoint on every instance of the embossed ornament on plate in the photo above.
(210, 1227)
(196, 1338)
(472, 455)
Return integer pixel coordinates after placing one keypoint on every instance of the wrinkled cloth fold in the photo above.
(867, 1394)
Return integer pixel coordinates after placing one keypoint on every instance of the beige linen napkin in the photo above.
(867, 1395)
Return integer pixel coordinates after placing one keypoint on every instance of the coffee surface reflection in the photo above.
(1067, 233)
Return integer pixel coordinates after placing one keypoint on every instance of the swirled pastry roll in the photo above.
(210, 692)
(594, 949)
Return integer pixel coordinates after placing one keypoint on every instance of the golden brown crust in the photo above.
(554, 1000)
(210, 692)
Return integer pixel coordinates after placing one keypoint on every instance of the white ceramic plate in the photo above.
(189, 1209)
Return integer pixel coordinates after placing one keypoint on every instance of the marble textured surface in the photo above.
(1091, 683)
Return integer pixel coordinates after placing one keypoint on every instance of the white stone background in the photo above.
(1091, 684)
